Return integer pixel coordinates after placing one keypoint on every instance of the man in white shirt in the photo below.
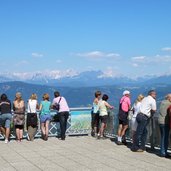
(147, 109)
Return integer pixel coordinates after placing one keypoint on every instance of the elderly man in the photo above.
(164, 124)
(147, 109)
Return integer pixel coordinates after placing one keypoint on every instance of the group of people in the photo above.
(19, 109)
(143, 109)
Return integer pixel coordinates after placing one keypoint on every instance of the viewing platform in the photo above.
(76, 153)
(80, 151)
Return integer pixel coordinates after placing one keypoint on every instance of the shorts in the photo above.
(94, 120)
(5, 120)
(103, 119)
(123, 122)
(44, 118)
(123, 117)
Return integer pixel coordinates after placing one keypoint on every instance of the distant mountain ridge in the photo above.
(71, 78)
(81, 96)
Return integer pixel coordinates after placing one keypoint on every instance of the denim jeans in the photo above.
(63, 116)
(141, 132)
(164, 130)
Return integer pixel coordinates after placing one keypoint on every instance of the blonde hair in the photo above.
(46, 96)
(139, 98)
(18, 96)
(168, 96)
(33, 96)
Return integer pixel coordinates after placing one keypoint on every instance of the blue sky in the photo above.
(119, 37)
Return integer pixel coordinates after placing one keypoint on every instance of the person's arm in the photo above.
(13, 106)
(40, 107)
(96, 101)
(153, 107)
(37, 105)
(108, 105)
(24, 108)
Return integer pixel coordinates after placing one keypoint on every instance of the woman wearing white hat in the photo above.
(124, 106)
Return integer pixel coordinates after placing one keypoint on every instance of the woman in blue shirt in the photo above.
(45, 116)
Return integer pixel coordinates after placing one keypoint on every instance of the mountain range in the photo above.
(70, 78)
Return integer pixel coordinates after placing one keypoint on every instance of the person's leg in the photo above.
(133, 136)
(47, 129)
(62, 125)
(162, 132)
(21, 132)
(17, 130)
(119, 132)
(92, 124)
(43, 129)
(123, 131)
(166, 138)
(139, 132)
(144, 135)
(7, 126)
(66, 119)
(3, 131)
(102, 129)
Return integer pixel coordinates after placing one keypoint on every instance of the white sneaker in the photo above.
(28, 138)
(6, 141)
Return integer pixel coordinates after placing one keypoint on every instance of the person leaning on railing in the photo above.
(45, 116)
(124, 107)
(95, 114)
(5, 116)
(32, 119)
(164, 124)
(63, 112)
(147, 109)
(19, 115)
(103, 113)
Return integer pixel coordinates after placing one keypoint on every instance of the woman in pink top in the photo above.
(125, 105)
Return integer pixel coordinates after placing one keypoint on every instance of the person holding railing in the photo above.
(124, 107)
(63, 112)
(32, 119)
(45, 116)
(163, 120)
(103, 113)
(136, 110)
(147, 109)
(95, 114)
(5, 116)
(19, 115)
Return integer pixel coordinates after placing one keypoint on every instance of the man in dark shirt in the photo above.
(5, 116)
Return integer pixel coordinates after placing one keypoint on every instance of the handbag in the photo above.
(56, 106)
(130, 114)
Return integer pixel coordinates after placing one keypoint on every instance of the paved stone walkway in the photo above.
(76, 154)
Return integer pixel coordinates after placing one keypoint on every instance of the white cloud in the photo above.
(138, 58)
(37, 55)
(23, 62)
(166, 49)
(157, 59)
(98, 55)
(135, 65)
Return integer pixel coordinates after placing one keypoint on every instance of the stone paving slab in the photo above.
(76, 153)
